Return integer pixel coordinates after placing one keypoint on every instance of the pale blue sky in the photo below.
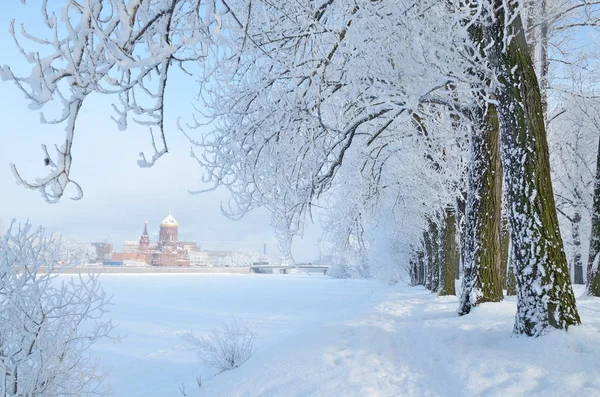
(118, 195)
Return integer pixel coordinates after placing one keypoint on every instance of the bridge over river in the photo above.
(256, 268)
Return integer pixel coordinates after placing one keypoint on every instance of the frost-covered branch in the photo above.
(47, 324)
(116, 47)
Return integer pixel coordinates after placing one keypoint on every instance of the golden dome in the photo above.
(169, 221)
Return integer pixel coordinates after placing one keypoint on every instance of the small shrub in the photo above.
(225, 347)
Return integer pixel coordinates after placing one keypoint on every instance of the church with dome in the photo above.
(168, 251)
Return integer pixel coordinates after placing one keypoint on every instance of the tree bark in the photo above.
(593, 275)
(447, 268)
(421, 267)
(461, 222)
(504, 242)
(577, 261)
(482, 239)
(544, 292)
(435, 250)
(428, 259)
(511, 282)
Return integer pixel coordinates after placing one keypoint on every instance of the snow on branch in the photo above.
(47, 325)
(303, 89)
(115, 47)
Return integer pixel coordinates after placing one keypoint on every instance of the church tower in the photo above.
(167, 236)
(145, 239)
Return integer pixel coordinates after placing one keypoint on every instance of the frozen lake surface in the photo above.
(151, 310)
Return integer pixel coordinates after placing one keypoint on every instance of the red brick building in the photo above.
(167, 252)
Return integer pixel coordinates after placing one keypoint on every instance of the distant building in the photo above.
(189, 246)
(167, 252)
(199, 258)
(131, 246)
(103, 251)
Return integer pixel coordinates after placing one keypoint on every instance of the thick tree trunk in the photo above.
(593, 275)
(447, 268)
(577, 255)
(544, 292)
(482, 239)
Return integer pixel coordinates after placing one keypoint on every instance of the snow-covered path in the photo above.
(408, 342)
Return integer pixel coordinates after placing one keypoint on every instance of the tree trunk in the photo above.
(421, 267)
(593, 275)
(577, 255)
(511, 282)
(435, 250)
(428, 259)
(544, 292)
(482, 239)
(412, 270)
(448, 269)
(504, 242)
(461, 204)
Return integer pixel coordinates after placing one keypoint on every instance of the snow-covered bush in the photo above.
(46, 325)
(225, 347)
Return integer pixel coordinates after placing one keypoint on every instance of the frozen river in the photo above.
(151, 310)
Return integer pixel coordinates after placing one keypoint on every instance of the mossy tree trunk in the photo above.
(483, 213)
(447, 268)
(544, 293)
(593, 275)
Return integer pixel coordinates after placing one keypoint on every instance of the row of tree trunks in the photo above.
(434, 265)
(530, 258)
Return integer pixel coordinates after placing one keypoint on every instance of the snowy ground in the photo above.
(152, 309)
(327, 337)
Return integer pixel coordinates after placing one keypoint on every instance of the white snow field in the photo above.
(326, 337)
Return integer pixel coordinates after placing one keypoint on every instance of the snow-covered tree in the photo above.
(545, 296)
(294, 91)
(74, 252)
(47, 325)
(567, 64)
(236, 259)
